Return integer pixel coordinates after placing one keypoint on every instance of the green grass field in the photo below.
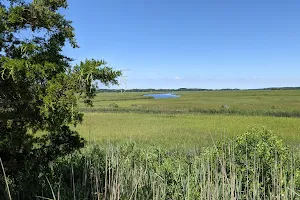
(282, 100)
(181, 130)
(189, 129)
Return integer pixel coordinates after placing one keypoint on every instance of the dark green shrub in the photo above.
(255, 155)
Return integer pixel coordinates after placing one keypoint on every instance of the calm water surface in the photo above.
(162, 96)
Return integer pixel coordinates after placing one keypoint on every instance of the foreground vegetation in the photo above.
(255, 165)
(148, 151)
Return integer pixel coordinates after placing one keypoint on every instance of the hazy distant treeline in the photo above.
(193, 89)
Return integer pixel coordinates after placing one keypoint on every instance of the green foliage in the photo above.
(127, 171)
(39, 89)
(256, 153)
(260, 144)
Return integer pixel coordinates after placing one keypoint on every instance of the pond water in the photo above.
(162, 96)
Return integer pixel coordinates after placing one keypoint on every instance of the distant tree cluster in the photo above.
(194, 89)
(279, 88)
(158, 90)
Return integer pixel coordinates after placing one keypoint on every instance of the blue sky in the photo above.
(192, 43)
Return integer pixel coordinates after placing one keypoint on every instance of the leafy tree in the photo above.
(39, 89)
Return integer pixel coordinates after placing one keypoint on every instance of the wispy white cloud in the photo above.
(177, 78)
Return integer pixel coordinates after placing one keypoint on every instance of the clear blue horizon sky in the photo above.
(192, 43)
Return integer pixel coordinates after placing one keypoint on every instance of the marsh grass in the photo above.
(180, 130)
(255, 165)
(266, 101)
(4, 193)
(193, 118)
(221, 111)
(130, 172)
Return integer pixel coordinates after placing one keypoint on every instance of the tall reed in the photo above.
(131, 172)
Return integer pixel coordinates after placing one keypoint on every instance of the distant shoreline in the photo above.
(195, 89)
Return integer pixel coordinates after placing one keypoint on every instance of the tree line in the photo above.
(193, 89)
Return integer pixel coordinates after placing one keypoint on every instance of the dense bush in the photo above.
(258, 153)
